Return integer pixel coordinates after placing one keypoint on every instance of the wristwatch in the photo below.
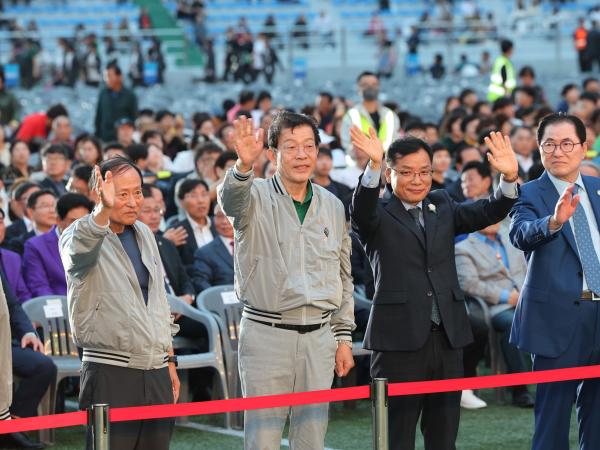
(172, 359)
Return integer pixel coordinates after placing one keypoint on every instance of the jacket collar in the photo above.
(278, 186)
(550, 196)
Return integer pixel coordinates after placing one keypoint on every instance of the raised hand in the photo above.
(371, 144)
(502, 156)
(105, 188)
(248, 144)
(565, 208)
(177, 236)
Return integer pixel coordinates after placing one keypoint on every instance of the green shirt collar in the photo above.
(307, 197)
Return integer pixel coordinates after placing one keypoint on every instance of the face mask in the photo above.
(370, 93)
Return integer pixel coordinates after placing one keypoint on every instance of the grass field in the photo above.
(502, 427)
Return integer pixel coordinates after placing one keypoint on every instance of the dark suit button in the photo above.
(429, 270)
(429, 294)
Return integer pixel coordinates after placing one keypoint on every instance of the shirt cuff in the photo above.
(504, 296)
(509, 190)
(553, 232)
(370, 178)
(241, 176)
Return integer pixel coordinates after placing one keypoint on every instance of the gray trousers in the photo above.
(276, 361)
(6, 358)
(123, 386)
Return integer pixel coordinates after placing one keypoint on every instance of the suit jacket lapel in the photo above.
(51, 242)
(550, 196)
(592, 187)
(191, 239)
(222, 251)
(487, 254)
(399, 212)
(430, 219)
(164, 257)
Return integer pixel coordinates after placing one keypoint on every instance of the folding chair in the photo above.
(50, 314)
(222, 302)
(212, 358)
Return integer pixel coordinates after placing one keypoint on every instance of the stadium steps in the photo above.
(186, 51)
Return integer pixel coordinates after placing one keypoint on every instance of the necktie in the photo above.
(435, 309)
(587, 253)
(416, 215)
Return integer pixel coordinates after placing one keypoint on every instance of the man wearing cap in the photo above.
(292, 274)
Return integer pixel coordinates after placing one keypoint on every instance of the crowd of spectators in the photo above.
(81, 55)
(45, 170)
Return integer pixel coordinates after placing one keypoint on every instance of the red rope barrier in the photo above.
(301, 398)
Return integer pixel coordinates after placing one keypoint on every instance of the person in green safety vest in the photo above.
(502, 79)
(370, 113)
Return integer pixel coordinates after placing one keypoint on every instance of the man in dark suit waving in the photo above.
(418, 323)
(557, 319)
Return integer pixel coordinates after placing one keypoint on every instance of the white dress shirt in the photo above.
(560, 186)
(227, 243)
(525, 162)
(202, 233)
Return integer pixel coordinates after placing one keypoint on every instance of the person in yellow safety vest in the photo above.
(502, 80)
(370, 113)
(580, 38)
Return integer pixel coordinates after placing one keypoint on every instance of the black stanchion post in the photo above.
(99, 426)
(379, 408)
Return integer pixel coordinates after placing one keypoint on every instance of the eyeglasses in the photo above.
(410, 175)
(193, 196)
(309, 149)
(565, 146)
(45, 206)
(54, 159)
(158, 211)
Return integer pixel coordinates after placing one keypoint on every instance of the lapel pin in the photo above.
(326, 232)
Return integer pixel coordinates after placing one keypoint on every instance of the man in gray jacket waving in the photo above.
(118, 309)
(292, 273)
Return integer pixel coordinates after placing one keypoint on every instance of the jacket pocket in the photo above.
(248, 277)
(534, 294)
(390, 297)
(112, 322)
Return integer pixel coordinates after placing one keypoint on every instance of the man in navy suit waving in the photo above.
(557, 320)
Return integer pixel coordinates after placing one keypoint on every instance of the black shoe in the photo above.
(18, 440)
(523, 400)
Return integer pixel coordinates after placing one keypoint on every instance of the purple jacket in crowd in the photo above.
(11, 262)
(42, 267)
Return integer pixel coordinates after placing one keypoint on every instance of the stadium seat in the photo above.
(221, 301)
(212, 358)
